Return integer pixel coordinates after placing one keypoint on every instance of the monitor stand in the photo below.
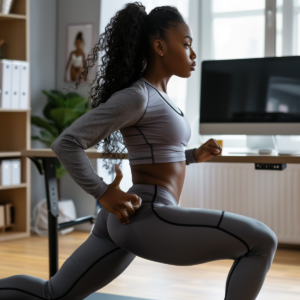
(263, 143)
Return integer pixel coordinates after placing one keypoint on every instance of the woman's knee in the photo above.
(265, 237)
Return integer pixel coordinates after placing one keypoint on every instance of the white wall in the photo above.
(193, 82)
(70, 12)
(42, 75)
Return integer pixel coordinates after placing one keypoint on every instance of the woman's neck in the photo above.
(157, 77)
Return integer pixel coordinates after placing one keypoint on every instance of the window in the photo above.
(287, 27)
(237, 28)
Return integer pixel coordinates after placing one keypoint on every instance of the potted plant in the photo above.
(61, 111)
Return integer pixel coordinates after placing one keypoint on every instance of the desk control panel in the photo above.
(275, 167)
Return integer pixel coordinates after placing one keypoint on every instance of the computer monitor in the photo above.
(254, 96)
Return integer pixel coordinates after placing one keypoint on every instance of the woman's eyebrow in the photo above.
(187, 36)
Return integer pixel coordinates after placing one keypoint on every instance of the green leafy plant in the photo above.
(60, 112)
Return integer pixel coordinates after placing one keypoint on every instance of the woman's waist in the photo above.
(167, 175)
(152, 193)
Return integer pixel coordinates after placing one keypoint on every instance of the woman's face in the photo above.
(178, 56)
(78, 43)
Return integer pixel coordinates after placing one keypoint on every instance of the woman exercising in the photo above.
(130, 101)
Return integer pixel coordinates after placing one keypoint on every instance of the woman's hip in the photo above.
(162, 231)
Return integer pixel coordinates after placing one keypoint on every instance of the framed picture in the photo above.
(79, 44)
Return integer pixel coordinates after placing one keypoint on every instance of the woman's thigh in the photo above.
(90, 267)
(188, 236)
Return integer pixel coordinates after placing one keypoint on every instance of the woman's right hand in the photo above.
(118, 202)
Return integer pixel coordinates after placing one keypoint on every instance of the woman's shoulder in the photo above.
(136, 93)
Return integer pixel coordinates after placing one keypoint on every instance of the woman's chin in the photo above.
(185, 75)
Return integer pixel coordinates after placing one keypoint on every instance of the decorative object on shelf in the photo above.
(6, 6)
(7, 215)
(67, 212)
(60, 111)
(2, 48)
(79, 44)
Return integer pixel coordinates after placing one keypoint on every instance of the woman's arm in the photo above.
(122, 109)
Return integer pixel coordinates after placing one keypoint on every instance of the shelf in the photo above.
(2, 228)
(12, 235)
(10, 153)
(11, 16)
(14, 110)
(15, 123)
(14, 186)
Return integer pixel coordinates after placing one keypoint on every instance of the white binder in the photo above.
(24, 81)
(5, 172)
(5, 82)
(15, 84)
(15, 171)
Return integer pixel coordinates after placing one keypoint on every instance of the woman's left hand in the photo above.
(208, 150)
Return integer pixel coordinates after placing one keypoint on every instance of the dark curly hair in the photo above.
(125, 43)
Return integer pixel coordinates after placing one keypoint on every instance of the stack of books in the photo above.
(7, 215)
(14, 79)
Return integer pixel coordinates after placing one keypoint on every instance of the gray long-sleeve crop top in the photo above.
(154, 130)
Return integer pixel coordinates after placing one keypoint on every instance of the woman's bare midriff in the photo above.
(168, 175)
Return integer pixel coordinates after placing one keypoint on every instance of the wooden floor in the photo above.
(147, 279)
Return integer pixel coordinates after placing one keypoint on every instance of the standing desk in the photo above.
(48, 159)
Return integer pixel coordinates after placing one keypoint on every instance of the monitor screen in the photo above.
(254, 90)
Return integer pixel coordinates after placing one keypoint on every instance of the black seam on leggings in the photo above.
(221, 218)
(52, 291)
(217, 227)
(193, 225)
(227, 285)
(72, 285)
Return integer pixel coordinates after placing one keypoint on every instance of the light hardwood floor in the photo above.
(147, 279)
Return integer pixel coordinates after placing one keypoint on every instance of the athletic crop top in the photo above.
(154, 131)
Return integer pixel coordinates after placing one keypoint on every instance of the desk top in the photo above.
(224, 158)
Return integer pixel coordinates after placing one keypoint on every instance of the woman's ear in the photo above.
(158, 47)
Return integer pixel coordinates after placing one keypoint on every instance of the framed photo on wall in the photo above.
(79, 44)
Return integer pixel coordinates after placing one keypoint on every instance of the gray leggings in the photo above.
(160, 231)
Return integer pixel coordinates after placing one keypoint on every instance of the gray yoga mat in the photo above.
(100, 296)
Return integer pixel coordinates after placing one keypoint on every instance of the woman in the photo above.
(142, 52)
(76, 59)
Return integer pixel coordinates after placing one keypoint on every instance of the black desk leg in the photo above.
(53, 212)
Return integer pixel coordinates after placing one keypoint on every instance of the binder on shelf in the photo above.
(14, 81)
(24, 81)
(15, 85)
(5, 82)
(9, 214)
(5, 172)
(6, 6)
(16, 171)
(2, 215)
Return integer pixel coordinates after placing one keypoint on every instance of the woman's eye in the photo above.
(187, 45)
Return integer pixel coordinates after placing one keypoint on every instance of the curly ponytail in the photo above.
(125, 43)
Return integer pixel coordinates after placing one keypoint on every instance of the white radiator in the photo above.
(272, 197)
